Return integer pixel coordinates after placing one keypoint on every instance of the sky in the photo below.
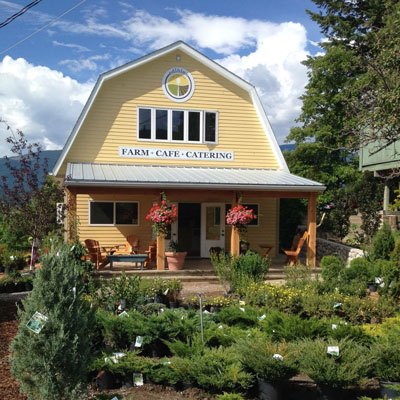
(46, 79)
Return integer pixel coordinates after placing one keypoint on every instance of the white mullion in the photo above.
(186, 126)
(169, 122)
(202, 125)
(153, 124)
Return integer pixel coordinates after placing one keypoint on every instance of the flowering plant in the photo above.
(162, 215)
(239, 217)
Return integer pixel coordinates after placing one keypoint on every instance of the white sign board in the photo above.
(175, 154)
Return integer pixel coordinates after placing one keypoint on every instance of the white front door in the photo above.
(212, 227)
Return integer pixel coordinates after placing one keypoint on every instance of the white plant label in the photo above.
(278, 357)
(333, 350)
(137, 379)
(139, 341)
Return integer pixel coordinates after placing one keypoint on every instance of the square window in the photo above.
(194, 126)
(210, 127)
(101, 213)
(126, 214)
(161, 124)
(144, 123)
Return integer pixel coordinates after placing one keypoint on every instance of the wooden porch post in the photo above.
(70, 199)
(234, 233)
(312, 229)
(160, 252)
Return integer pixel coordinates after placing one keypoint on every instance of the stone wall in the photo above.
(328, 248)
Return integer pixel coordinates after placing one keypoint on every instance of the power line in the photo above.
(43, 27)
(19, 13)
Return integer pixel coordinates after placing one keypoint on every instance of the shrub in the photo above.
(230, 396)
(240, 271)
(390, 274)
(242, 317)
(298, 276)
(332, 271)
(395, 254)
(52, 364)
(382, 243)
(216, 370)
(385, 354)
(283, 327)
(349, 368)
(257, 355)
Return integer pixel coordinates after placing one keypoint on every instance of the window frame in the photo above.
(114, 202)
(202, 121)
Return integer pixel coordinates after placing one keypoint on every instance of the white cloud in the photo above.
(73, 46)
(84, 63)
(41, 102)
(272, 60)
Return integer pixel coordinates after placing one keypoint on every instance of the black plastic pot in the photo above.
(267, 390)
(372, 288)
(28, 286)
(389, 392)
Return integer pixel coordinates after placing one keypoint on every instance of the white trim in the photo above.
(153, 113)
(204, 243)
(161, 52)
(114, 202)
(170, 96)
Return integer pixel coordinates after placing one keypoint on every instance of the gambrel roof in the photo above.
(185, 48)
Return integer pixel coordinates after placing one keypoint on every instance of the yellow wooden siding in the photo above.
(113, 235)
(112, 119)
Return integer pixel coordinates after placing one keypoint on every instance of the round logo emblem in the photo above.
(178, 84)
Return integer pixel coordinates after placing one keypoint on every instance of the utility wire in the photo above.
(43, 27)
(19, 13)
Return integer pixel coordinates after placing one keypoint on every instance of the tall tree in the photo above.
(28, 203)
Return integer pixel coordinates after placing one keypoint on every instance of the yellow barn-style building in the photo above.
(176, 122)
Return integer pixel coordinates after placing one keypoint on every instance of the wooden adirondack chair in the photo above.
(293, 254)
(97, 254)
(131, 246)
(151, 254)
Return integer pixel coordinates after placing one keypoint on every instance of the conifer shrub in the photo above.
(216, 370)
(389, 272)
(265, 359)
(282, 327)
(332, 271)
(382, 244)
(385, 355)
(52, 363)
(230, 396)
(239, 272)
(395, 254)
(350, 367)
(239, 316)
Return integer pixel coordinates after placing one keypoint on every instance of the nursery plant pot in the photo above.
(28, 286)
(175, 260)
(372, 288)
(331, 393)
(173, 304)
(267, 391)
(389, 392)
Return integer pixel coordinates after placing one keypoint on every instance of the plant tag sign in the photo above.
(262, 317)
(241, 309)
(139, 341)
(220, 327)
(277, 357)
(337, 305)
(333, 350)
(123, 314)
(334, 326)
(137, 379)
(37, 322)
(115, 398)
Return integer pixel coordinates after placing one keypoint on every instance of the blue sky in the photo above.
(45, 81)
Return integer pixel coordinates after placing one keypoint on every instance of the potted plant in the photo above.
(175, 256)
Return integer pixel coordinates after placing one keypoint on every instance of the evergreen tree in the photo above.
(52, 364)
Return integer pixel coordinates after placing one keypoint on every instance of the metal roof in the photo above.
(117, 175)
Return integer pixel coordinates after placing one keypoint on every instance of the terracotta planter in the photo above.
(175, 260)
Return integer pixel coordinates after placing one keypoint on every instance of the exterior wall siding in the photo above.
(112, 119)
(113, 235)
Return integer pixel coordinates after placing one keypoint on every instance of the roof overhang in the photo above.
(156, 176)
(185, 48)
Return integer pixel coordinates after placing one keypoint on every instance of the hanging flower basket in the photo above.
(239, 217)
(162, 215)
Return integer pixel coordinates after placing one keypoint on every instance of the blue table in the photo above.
(136, 258)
